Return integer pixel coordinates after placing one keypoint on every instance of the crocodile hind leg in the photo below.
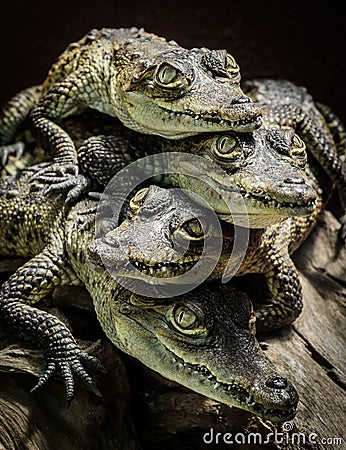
(12, 117)
(29, 284)
(286, 295)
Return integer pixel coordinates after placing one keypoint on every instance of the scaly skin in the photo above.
(151, 85)
(163, 223)
(284, 105)
(204, 340)
(266, 167)
(288, 105)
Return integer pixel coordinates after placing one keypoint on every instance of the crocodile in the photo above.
(285, 104)
(204, 340)
(164, 236)
(152, 85)
(265, 167)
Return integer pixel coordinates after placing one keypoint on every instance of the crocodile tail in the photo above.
(16, 111)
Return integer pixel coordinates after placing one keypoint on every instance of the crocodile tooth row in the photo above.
(267, 199)
(161, 267)
(238, 392)
(216, 119)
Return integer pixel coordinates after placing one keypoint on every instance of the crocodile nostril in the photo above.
(294, 180)
(241, 99)
(277, 383)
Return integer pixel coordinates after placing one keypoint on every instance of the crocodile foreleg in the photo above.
(29, 284)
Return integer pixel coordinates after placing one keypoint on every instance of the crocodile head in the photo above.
(265, 171)
(174, 92)
(205, 340)
(162, 237)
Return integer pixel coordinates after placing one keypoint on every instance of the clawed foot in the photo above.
(67, 362)
(15, 149)
(58, 179)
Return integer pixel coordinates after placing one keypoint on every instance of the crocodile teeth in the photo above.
(275, 203)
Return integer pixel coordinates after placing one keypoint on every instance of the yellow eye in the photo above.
(232, 66)
(194, 228)
(166, 74)
(191, 230)
(185, 318)
(226, 147)
(137, 200)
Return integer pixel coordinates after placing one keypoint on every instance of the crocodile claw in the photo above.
(68, 362)
(75, 185)
(61, 179)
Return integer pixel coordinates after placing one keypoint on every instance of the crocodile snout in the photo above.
(276, 393)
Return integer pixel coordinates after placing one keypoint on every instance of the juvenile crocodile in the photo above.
(166, 232)
(287, 105)
(266, 167)
(284, 105)
(204, 340)
(151, 85)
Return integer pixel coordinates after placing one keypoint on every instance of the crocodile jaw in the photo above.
(236, 205)
(234, 391)
(172, 121)
(231, 392)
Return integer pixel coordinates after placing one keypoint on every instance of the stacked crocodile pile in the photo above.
(273, 152)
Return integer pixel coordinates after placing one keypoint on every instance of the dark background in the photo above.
(301, 41)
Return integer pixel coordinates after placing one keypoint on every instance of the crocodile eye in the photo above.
(226, 147)
(191, 230)
(232, 66)
(137, 200)
(166, 74)
(194, 228)
(298, 143)
(185, 318)
(298, 150)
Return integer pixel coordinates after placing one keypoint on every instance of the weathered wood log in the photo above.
(41, 421)
(311, 354)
